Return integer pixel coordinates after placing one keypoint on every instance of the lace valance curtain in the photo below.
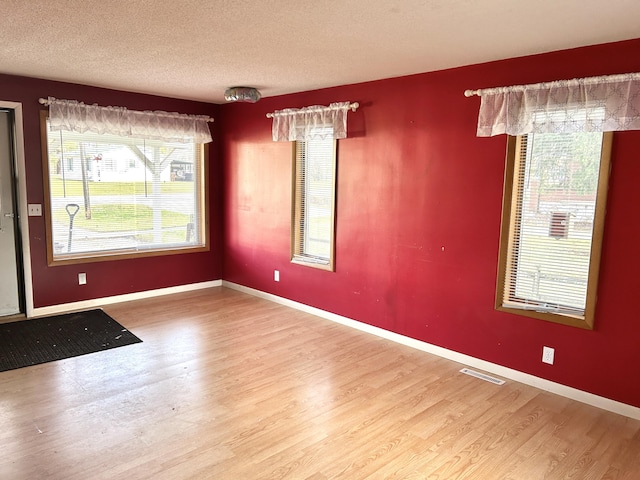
(71, 115)
(596, 104)
(307, 123)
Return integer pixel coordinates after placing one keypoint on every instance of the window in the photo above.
(313, 219)
(553, 217)
(108, 195)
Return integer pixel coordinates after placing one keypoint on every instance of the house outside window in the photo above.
(109, 196)
(553, 217)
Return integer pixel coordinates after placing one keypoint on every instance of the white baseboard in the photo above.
(99, 302)
(541, 383)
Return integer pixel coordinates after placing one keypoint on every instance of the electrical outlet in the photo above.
(82, 279)
(276, 275)
(547, 355)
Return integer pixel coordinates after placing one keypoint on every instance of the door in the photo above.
(10, 266)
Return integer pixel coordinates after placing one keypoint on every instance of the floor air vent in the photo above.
(482, 376)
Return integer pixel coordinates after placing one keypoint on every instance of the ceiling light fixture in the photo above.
(242, 94)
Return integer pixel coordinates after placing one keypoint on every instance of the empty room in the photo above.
(319, 240)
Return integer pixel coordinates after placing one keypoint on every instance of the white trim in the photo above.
(99, 302)
(553, 387)
(22, 202)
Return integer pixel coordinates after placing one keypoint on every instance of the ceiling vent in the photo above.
(242, 94)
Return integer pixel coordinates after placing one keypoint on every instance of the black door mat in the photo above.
(40, 340)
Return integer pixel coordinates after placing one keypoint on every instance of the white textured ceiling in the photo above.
(195, 49)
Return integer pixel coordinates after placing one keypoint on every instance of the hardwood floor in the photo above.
(228, 386)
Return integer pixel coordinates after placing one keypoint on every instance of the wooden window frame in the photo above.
(509, 212)
(202, 194)
(297, 255)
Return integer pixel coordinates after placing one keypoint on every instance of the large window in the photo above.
(109, 195)
(313, 217)
(553, 217)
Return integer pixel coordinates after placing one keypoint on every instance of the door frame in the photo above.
(21, 174)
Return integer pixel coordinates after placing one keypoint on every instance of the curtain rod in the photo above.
(557, 83)
(352, 106)
(47, 102)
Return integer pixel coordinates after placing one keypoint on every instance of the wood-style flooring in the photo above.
(232, 387)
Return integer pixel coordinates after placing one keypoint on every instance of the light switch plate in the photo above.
(35, 209)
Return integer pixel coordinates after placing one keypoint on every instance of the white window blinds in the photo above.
(314, 194)
(120, 195)
(554, 207)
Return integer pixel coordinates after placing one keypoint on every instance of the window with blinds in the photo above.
(113, 196)
(553, 216)
(313, 205)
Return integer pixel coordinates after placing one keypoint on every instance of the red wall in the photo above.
(419, 201)
(59, 284)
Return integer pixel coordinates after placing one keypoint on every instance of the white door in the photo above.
(10, 268)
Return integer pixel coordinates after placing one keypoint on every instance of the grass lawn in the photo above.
(74, 188)
(119, 218)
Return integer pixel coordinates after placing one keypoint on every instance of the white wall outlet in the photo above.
(276, 275)
(547, 355)
(34, 209)
(82, 279)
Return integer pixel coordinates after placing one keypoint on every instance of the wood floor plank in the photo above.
(229, 386)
